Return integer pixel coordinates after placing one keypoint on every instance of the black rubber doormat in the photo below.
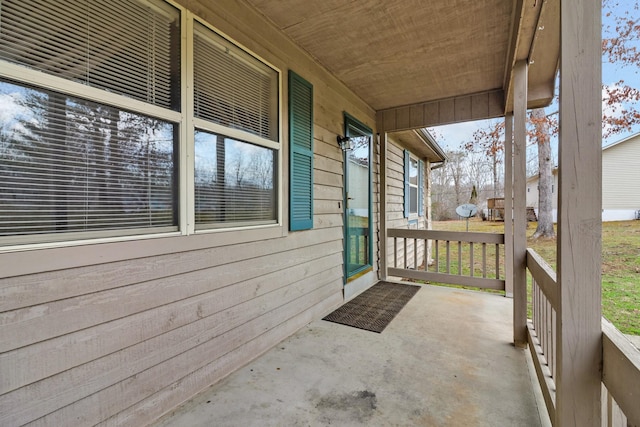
(375, 308)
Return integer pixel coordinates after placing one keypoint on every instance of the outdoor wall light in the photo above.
(344, 142)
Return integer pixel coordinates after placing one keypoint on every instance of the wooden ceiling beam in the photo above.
(478, 106)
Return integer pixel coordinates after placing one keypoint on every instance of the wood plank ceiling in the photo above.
(403, 52)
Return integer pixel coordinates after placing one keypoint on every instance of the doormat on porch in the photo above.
(375, 308)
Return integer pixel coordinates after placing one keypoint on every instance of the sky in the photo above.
(450, 137)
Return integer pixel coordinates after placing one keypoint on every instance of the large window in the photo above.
(99, 128)
(236, 118)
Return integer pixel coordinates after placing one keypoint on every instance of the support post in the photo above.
(508, 204)
(382, 237)
(520, 205)
(579, 339)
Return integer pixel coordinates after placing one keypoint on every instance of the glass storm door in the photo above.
(357, 201)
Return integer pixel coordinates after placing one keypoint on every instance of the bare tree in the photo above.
(545, 177)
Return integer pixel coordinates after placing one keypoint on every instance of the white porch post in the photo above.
(382, 237)
(519, 205)
(579, 344)
(508, 204)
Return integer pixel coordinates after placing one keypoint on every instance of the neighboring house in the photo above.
(532, 193)
(620, 182)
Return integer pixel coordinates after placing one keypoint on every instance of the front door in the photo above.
(357, 163)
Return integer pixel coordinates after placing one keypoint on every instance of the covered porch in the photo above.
(119, 330)
(445, 360)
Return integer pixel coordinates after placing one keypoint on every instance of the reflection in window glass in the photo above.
(234, 182)
(71, 165)
(358, 203)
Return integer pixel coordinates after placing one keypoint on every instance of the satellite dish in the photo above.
(467, 210)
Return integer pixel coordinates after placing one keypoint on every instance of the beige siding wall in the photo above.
(621, 175)
(395, 211)
(120, 333)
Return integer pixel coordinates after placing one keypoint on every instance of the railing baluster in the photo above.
(549, 335)
(395, 252)
(552, 350)
(545, 330)
(459, 258)
(425, 255)
(497, 261)
(448, 257)
(405, 265)
(534, 308)
(415, 253)
(437, 256)
(484, 260)
(471, 259)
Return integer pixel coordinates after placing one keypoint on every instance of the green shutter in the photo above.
(420, 188)
(407, 190)
(300, 153)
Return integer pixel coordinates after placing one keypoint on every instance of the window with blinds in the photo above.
(413, 176)
(232, 88)
(235, 179)
(234, 182)
(80, 163)
(130, 48)
(69, 165)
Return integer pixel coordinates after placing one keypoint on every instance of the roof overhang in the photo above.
(421, 143)
(408, 53)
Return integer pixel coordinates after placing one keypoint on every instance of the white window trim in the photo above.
(187, 125)
(414, 215)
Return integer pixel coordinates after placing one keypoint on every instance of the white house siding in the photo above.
(120, 333)
(532, 195)
(620, 182)
(395, 209)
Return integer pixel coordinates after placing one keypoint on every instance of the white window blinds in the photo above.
(232, 88)
(235, 182)
(127, 47)
(69, 165)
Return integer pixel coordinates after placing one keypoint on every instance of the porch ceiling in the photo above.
(407, 52)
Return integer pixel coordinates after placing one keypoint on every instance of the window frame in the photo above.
(413, 159)
(408, 157)
(186, 125)
(195, 123)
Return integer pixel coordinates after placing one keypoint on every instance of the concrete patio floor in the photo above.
(445, 360)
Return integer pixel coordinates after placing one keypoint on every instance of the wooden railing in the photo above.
(480, 251)
(620, 379)
(544, 300)
(621, 360)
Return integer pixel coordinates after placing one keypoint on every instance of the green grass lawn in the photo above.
(620, 265)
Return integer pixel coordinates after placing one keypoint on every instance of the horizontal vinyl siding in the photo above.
(621, 176)
(122, 333)
(395, 211)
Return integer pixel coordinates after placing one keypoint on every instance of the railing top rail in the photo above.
(621, 371)
(544, 276)
(454, 236)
